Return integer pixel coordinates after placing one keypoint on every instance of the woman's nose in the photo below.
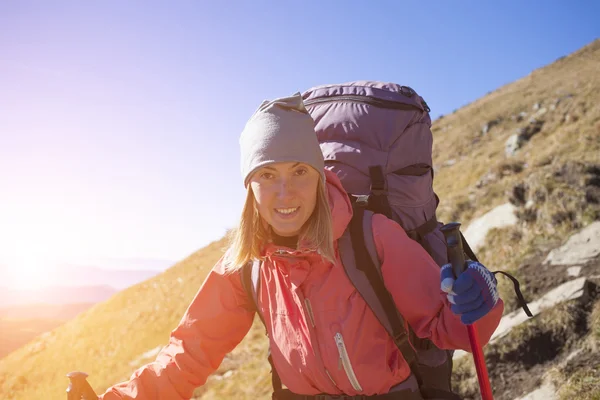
(284, 188)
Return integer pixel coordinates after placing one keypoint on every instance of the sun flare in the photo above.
(29, 272)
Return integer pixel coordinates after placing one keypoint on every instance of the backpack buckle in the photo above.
(361, 200)
(401, 338)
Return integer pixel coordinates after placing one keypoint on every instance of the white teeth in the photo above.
(286, 210)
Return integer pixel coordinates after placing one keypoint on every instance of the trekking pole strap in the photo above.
(518, 292)
(467, 249)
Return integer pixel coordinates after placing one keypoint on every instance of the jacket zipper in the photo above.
(345, 360)
(313, 335)
(310, 312)
(394, 105)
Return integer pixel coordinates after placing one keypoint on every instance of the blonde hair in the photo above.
(247, 240)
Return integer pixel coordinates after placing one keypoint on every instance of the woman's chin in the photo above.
(287, 229)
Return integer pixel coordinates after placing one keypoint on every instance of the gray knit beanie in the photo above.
(281, 130)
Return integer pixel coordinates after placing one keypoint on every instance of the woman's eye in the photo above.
(266, 175)
(301, 171)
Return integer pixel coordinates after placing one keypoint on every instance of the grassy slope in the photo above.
(108, 340)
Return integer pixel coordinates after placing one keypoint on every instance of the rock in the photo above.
(499, 217)
(572, 290)
(579, 249)
(540, 112)
(521, 116)
(513, 144)
(545, 392)
(536, 106)
(489, 125)
(574, 271)
(226, 375)
(572, 356)
(450, 162)
(535, 125)
(486, 179)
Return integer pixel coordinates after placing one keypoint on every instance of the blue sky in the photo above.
(119, 120)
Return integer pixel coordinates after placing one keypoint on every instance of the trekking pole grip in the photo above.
(456, 255)
(79, 388)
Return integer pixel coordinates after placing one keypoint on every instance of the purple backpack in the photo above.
(377, 138)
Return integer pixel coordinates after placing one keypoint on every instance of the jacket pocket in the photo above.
(345, 360)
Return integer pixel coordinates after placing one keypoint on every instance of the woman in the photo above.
(295, 210)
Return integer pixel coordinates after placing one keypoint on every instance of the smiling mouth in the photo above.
(287, 211)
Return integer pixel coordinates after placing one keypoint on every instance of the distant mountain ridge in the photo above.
(55, 295)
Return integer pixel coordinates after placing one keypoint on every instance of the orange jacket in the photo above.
(323, 336)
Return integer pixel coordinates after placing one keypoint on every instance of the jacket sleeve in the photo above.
(214, 324)
(413, 279)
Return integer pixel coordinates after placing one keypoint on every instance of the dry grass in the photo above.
(107, 340)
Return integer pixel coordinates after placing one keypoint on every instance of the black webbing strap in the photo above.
(378, 201)
(418, 234)
(365, 264)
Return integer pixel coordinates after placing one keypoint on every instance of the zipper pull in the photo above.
(338, 343)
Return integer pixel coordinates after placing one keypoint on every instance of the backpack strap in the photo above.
(367, 279)
(377, 199)
(418, 234)
(251, 284)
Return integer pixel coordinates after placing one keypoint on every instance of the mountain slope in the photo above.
(552, 179)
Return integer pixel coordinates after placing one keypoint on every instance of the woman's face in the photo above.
(286, 194)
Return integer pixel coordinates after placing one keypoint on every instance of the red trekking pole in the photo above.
(457, 259)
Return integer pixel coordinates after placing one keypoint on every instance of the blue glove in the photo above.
(473, 294)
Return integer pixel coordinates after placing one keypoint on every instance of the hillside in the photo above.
(552, 115)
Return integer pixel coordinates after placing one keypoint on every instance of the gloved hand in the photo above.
(473, 294)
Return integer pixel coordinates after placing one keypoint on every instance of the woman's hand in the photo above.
(473, 294)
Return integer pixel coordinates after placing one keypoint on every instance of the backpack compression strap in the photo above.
(251, 284)
(367, 279)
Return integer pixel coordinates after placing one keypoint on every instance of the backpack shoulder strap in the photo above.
(251, 284)
(366, 277)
